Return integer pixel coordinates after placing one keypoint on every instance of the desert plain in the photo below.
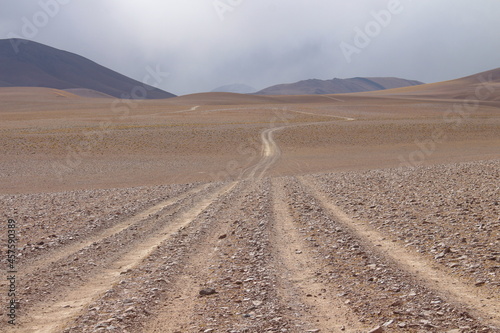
(370, 212)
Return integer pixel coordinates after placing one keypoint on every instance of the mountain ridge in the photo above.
(32, 64)
(338, 86)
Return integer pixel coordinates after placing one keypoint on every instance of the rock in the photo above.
(223, 236)
(377, 330)
(397, 303)
(207, 292)
(109, 321)
(440, 255)
(388, 323)
(426, 323)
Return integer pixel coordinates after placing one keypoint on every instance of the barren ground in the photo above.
(336, 216)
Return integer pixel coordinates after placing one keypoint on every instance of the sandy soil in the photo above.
(355, 214)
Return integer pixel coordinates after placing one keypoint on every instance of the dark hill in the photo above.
(38, 65)
(337, 86)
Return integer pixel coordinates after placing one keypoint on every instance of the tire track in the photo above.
(323, 115)
(54, 315)
(71, 249)
(244, 272)
(373, 285)
(270, 153)
(484, 306)
(181, 313)
(324, 310)
(49, 283)
(194, 108)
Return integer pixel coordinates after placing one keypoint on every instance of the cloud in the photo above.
(261, 43)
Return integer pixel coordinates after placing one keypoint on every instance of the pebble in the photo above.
(207, 292)
(376, 330)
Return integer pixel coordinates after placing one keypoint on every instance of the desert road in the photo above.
(260, 254)
(270, 153)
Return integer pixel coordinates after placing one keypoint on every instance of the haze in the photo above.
(204, 44)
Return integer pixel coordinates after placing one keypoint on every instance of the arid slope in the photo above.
(350, 213)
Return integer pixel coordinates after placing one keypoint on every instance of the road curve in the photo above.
(270, 153)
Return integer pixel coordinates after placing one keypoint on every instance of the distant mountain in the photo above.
(237, 88)
(38, 65)
(483, 87)
(337, 86)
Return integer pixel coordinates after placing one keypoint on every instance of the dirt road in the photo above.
(270, 153)
(257, 255)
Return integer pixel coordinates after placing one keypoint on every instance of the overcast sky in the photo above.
(204, 44)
